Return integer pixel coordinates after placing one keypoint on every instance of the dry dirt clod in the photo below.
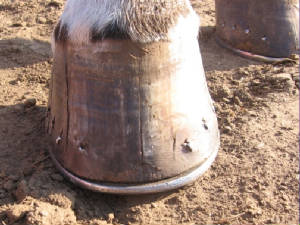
(285, 79)
(62, 198)
(46, 214)
(224, 92)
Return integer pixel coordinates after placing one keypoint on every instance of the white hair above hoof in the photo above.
(139, 20)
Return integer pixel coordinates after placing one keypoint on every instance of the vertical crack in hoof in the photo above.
(174, 147)
(204, 124)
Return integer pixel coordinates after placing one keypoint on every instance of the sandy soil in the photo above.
(254, 180)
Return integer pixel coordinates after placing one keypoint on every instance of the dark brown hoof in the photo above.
(130, 118)
(265, 30)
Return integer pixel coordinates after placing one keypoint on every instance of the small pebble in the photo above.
(30, 103)
(226, 100)
(153, 205)
(43, 213)
(42, 20)
(110, 217)
(245, 72)
(260, 145)
(294, 57)
(227, 129)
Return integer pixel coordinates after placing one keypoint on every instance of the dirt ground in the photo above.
(254, 180)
